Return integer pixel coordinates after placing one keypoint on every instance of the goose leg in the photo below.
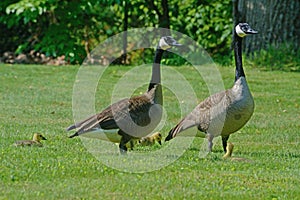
(210, 138)
(125, 139)
(224, 141)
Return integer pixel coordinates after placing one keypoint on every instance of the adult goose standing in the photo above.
(129, 118)
(225, 112)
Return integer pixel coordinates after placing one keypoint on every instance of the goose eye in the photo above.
(168, 40)
(245, 27)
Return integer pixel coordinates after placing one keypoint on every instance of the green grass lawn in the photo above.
(39, 99)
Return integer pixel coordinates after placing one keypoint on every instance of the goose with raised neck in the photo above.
(129, 118)
(225, 112)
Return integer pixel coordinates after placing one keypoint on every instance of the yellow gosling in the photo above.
(144, 141)
(36, 141)
(228, 155)
(229, 150)
(151, 139)
(131, 144)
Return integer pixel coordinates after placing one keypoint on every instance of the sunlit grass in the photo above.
(39, 99)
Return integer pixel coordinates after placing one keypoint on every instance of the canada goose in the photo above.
(151, 139)
(225, 112)
(36, 141)
(229, 150)
(129, 118)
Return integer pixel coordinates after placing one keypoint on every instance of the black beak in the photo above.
(251, 31)
(173, 42)
(159, 142)
(43, 138)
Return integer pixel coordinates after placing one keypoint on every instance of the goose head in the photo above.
(38, 137)
(167, 42)
(243, 29)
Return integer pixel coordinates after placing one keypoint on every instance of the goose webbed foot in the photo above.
(122, 147)
(123, 151)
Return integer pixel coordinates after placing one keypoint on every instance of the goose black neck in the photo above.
(155, 79)
(239, 71)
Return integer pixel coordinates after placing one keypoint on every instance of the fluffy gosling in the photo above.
(229, 150)
(36, 141)
(131, 144)
(145, 141)
(151, 139)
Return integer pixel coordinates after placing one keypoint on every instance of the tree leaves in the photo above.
(29, 10)
(58, 27)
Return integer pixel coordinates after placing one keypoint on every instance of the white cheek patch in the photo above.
(163, 45)
(239, 31)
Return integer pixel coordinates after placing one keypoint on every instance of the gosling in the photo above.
(229, 150)
(36, 141)
(131, 144)
(145, 141)
(151, 139)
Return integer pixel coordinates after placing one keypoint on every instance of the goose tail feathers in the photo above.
(71, 127)
(191, 120)
(74, 135)
(171, 133)
(84, 126)
(181, 126)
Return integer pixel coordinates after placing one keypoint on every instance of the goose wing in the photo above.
(125, 111)
(202, 115)
(103, 120)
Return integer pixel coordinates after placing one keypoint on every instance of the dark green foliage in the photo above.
(74, 28)
(11, 35)
(284, 57)
(209, 23)
(174, 60)
(59, 27)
